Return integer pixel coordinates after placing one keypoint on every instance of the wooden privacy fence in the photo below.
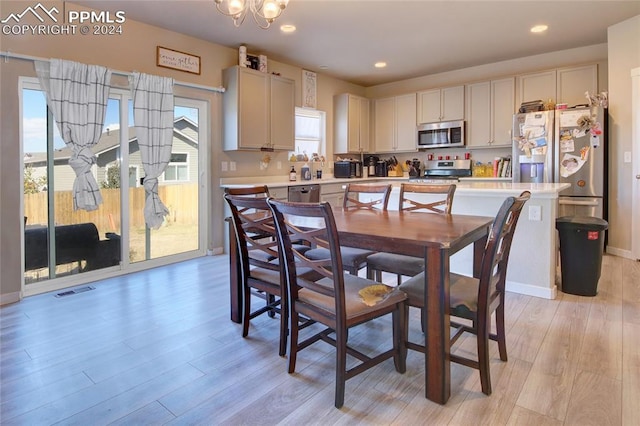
(181, 200)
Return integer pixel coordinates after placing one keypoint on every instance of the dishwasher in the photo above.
(304, 193)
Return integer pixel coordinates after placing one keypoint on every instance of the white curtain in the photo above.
(153, 116)
(77, 95)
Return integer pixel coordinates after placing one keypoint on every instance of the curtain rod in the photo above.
(8, 55)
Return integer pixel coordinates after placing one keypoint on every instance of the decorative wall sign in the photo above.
(308, 89)
(174, 59)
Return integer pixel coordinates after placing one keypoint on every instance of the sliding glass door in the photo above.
(63, 247)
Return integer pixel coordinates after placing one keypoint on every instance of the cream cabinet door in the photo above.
(384, 124)
(478, 114)
(502, 110)
(428, 106)
(406, 133)
(253, 109)
(350, 124)
(537, 86)
(572, 83)
(282, 118)
(452, 103)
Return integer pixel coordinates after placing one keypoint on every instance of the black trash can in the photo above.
(581, 247)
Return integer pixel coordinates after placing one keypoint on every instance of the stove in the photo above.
(445, 171)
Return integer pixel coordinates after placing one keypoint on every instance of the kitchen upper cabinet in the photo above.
(351, 124)
(537, 86)
(440, 105)
(259, 110)
(572, 83)
(394, 124)
(489, 111)
(563, 85)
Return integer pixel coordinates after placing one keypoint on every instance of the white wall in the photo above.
(624, 55)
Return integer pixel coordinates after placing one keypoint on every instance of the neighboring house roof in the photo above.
(111, 140)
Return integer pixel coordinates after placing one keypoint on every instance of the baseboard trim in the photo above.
(532, 290)
(627, 254)
(8, 298)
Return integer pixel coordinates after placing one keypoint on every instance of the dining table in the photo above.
(435, 237)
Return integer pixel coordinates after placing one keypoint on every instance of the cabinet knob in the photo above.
(637, 176)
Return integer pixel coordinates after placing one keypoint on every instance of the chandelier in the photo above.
(264, 11)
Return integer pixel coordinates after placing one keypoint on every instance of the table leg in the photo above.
(234, 278)
(437, 362)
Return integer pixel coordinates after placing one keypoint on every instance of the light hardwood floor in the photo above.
(158, 347)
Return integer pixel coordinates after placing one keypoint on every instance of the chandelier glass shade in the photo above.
(264, 12)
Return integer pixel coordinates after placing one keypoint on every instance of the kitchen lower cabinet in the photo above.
(258, 109)
(489, 112)
(395, 124)
(333, 193)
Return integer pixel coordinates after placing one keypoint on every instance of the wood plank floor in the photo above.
(157, 347)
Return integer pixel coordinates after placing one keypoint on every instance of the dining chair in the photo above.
(475, 299)
(260, 271)
(403, 265)
(337, 300)
(357, 196)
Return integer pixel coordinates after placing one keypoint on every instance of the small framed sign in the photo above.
(174, 59)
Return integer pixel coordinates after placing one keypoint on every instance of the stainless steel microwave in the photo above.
(441, 135)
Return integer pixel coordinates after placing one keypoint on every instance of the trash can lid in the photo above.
(588, 223)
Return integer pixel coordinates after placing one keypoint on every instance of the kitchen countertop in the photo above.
(472, 185)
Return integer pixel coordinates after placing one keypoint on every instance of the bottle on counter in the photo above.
(292, 174)
(305, 172)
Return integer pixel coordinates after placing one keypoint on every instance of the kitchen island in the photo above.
(534, 252)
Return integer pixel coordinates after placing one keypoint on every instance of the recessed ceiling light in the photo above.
(539, 28)
(380, 64)
(324, 67)
(287, 28)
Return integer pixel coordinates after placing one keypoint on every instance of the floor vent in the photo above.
(75, 291)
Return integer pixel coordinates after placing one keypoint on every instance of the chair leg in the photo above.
(341, 366)
(400, 335)
(405, 331)
(378, 275)
(399, 279)
(270, 301)
(483, 357)
(293, 340)
(501, 332)
(246, 315)
(284, 327)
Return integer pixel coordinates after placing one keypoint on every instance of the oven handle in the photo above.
(578, 203)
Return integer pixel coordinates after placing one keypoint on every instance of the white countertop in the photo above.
(489, 188)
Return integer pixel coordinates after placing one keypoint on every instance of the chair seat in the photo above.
(396, 263)
(355, 307)
(351, 256)
(463, 293)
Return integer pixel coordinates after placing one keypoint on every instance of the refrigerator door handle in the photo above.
(579, 203)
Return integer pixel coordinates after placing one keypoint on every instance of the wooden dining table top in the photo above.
(405, 232)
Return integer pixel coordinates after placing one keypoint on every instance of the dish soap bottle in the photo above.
(305, 172)
(292, 174)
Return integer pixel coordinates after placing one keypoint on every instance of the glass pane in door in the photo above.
(178, 188)
(59, 240)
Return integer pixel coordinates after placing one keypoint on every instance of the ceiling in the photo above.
(415, 37)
